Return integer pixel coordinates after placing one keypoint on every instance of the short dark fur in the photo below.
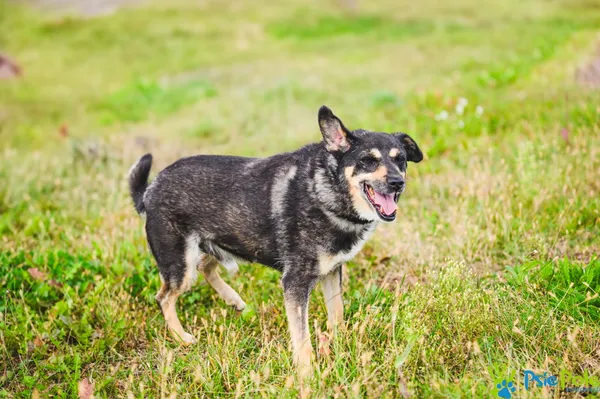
(277, 211)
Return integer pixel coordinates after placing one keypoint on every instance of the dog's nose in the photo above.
(395, 182)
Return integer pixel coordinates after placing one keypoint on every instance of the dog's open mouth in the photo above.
(384, 204)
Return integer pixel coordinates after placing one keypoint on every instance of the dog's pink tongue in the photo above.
(386, 202)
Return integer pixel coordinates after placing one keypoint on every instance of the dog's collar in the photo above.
(345, 221)
(357, 220)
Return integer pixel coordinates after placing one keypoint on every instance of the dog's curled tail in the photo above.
(138, 181)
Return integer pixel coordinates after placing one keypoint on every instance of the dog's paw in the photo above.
(236, 301)
(239, 305)
(187, 339)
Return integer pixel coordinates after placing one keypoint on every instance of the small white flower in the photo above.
(459, 109)
(442, 116)
(479, 110)
(461, 124)
(463, 102)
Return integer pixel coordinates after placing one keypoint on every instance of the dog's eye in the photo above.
(400, 160)
(369, 161)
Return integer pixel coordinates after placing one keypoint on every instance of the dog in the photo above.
(303, 213)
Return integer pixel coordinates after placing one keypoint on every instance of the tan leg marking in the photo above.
(228, 294)
(300, 334)
(332, 291)
(168, 301)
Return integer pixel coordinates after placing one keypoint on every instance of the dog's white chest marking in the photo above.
(328, 262)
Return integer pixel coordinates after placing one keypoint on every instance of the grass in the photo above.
(491, 269)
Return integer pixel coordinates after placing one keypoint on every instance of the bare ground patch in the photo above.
(8, 68)
(589, 74)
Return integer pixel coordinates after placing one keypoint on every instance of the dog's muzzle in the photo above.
(384, 203)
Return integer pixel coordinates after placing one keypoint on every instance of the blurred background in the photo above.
(503, 98)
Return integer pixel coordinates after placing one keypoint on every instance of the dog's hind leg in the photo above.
(331, 285)
(209, 268)
(167, 300)
(178, 260)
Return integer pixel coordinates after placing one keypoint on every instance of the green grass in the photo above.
(138, 101)
(491, 269)
(362, 26)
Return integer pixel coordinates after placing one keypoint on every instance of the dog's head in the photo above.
(372, 164)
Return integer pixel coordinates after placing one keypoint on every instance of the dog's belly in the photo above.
(229, 248)
(263, 258)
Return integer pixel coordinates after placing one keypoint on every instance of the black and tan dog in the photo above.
(303, 213)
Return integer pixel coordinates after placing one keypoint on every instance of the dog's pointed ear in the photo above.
(335, 134)
(413, 152)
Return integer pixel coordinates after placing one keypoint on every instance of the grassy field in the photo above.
(491, 269)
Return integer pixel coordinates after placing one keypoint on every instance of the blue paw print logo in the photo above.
(505, 390)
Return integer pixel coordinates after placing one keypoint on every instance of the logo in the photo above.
(505, 389)
(565, 381)
(504, 380)
(544, 380)
(579, 383)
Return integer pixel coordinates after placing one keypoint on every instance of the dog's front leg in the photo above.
(296, 291)
(331, 285)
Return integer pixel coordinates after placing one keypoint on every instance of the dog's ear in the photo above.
(413, 152)
(335, 134)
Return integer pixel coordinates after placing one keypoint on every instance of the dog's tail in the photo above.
(138, 181)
